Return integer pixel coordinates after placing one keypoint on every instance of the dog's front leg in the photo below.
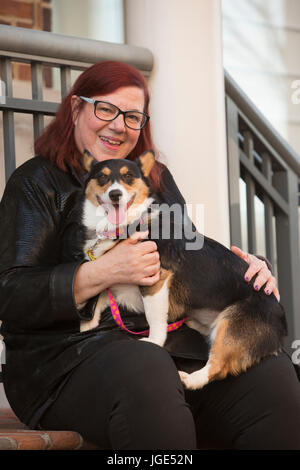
(156, 304)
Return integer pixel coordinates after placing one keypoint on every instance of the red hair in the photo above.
(57, 142)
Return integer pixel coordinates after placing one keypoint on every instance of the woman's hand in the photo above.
(131, 262)
(259, 267)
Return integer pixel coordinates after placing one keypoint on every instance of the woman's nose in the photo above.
(118, 124)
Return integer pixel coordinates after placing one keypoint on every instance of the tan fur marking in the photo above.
(124, 170)
(152, 290)
(147, 161)
(87, 160)
(93, 189)
(106, 170)
(177, 295)
(141, 189)
(237, 338)
(178, 299)
(228, 355)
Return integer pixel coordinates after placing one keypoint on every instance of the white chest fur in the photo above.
(126, 295)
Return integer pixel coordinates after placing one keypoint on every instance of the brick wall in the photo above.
(33, 14)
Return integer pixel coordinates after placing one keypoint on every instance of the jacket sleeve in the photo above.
(36, 291)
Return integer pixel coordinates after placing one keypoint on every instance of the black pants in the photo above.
(129, 397)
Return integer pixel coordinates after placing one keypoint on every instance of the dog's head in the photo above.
(117, 190)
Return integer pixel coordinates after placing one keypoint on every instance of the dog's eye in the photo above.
(102, 179)
(128, 177)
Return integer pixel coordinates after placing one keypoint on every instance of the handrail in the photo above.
(262, 124)
(61, 46)
(262, 163)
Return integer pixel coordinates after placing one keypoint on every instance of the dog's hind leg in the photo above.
(228, 355)
(156, 304)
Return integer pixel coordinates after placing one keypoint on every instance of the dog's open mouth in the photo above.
(116, 213)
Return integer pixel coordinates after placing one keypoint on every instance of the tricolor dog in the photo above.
(207, 284)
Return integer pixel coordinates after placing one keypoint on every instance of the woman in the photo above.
(118, 393)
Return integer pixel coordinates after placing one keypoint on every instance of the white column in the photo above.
(187, 93)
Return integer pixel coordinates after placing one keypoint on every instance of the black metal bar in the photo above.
(8, 120)
(269, 211)
(37, 95)
(47, 61)
(29, 106)
(233, 172)
(269, 214)
(263, 182)
(65, 80)
(250, 187)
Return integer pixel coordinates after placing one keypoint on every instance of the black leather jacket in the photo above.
(39, 258)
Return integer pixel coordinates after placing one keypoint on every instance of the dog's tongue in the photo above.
(116, 214)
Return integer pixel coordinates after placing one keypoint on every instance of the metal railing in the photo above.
(38, 49)
(270, 171)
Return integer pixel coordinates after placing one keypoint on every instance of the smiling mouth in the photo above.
(110, 141)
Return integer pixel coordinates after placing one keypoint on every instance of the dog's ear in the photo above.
(146, 162)
(88, 160)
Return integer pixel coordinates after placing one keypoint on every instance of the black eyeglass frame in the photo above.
(95, 102)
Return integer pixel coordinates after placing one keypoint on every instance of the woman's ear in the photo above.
(75, 107)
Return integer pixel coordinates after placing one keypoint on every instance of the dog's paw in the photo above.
(150, 340)
(192, 381)
(146, 339)
(183, 376)
(186, 380)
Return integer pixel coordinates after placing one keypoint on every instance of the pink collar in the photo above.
(113, 233)
(119, 230)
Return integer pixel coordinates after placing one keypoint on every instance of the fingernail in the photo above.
(246, 278)
(256, 287)
(267, 292)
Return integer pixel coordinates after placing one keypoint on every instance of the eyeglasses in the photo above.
(108, 112)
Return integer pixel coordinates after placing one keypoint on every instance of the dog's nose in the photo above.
(115, 195)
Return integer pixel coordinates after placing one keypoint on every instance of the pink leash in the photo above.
(116, 312)
(117, 317)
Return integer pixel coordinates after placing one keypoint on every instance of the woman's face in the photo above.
(107, 139)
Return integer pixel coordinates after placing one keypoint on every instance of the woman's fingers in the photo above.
(150, 280)
(137, 236)
(259, 268)
(143, 259)
(237, 251)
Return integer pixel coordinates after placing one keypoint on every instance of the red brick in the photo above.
(17, 9)
(24, 72)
